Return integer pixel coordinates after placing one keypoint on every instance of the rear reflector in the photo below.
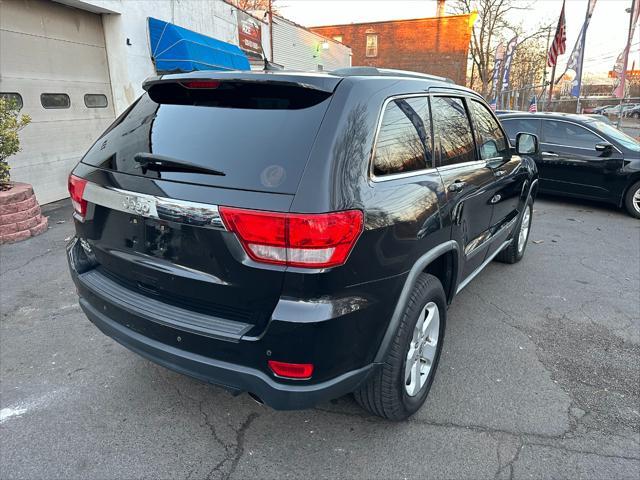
(298, 371)
(76, 190)
(295, 239)
(201, 83)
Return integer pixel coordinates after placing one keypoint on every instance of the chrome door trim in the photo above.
(475, 245)
(473, 274)
(150, 206)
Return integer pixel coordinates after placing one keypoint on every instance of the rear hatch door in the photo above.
(189, 145)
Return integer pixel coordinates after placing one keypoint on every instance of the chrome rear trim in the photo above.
(151, 206)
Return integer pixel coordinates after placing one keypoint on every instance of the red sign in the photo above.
(630, 74)
(249, 33)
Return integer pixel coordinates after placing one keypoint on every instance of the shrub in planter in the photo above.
(20, 215)
(11, 122)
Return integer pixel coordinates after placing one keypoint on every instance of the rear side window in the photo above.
(491, 141)
(13, 98)
(454, 139)
(95, 100)
(55, 100)
(513, 126)
(404, 139)
(568, 134)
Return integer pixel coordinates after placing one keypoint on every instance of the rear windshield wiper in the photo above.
(152, 161)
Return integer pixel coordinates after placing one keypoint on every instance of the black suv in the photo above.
(296, 236)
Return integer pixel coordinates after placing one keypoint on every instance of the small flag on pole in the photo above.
(533, 105)
(559, 44)
(493, 104)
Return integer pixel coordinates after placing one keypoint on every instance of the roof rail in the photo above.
(385, 72)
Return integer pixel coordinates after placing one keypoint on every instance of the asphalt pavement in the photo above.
(539, 378)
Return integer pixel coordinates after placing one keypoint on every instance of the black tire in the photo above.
(511, 254)
(628, 200)
(385, 394)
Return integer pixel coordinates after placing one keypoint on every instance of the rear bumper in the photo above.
(234, 377)
(215, 351)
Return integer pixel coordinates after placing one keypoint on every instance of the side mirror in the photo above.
(527, 144)
(604, 148)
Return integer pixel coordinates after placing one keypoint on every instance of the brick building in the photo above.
(438, 45)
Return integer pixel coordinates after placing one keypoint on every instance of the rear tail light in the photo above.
(299, 371)
(295, 239)
(76, 190)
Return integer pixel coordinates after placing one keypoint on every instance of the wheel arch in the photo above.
(635, 177)
(444, 260)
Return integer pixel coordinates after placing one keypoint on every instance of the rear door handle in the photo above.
(500, 173)
(457, 186)
(549, 154)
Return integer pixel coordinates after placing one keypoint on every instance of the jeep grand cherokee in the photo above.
(296, 236)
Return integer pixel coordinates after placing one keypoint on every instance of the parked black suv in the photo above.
(296, 236)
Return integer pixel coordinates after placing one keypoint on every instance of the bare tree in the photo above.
(491, 27)
(528, 67)
(254, 5)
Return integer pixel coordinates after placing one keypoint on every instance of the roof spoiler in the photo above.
(323, 83)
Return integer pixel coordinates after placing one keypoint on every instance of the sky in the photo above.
(606, 36)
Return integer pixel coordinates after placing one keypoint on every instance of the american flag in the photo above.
(533, 105)
(559, 44)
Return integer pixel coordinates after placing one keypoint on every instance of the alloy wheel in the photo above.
(422, 349)
(524, 229)
(636, 200)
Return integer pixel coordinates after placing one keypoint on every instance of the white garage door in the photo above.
(54, 58)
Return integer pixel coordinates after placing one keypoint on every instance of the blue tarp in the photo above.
(176, 49)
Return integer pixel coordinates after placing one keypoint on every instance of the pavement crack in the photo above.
(240, 439)
(234, 452)
(32, 259)
(212, 428)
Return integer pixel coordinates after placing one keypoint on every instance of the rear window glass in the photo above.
(13, 99)
(404, 141)
(260, 149)
(55, 100)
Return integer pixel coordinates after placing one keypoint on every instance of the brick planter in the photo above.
(20, 216)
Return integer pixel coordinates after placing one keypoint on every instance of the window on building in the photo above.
(489, 135)
(372, 45)
(338, 38)
(95, 100)
(452, 130)
(13, 98)
(55, 100)
(404, 139)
